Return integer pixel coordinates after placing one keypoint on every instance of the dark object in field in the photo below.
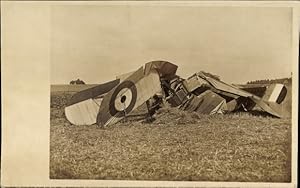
(157, 82)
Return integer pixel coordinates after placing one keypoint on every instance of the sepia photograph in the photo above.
(171, 93)
(149, 94)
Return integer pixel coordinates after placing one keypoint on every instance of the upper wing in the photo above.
(107, 103)
(128, 95)
(134, 90)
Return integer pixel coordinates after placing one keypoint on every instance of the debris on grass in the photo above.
(175, 146)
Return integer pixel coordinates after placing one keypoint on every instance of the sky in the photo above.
(98, 42)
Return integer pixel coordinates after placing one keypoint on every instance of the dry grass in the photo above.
(176, 146)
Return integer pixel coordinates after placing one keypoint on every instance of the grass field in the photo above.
(176, 146)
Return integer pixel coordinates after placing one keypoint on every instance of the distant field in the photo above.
(70, 88)
(176, 146)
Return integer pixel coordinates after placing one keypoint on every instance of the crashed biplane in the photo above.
(110, 102)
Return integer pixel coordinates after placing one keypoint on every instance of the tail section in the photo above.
(275, 93)
(274, 98)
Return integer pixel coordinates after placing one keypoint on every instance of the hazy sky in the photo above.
(97, 43)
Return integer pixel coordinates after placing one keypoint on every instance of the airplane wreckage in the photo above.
(156, 82)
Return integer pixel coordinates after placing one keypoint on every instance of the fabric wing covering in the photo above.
(83, 107)
(227, 87)
(128, 95)
(164, 68)
(269, 106)
(83, 113)
(207, 102)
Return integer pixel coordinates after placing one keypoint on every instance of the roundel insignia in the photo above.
(128, 95)
(123, 99)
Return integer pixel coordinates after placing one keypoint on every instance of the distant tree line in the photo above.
(272, 81)
(78, 81)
